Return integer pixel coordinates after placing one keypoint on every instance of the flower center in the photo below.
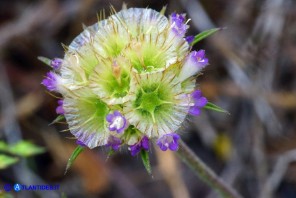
(152, 100)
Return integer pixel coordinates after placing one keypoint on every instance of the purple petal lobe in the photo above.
(196, 94)
(176, 137)
(201, 102)
(189, 39)
(162, 146)
(135, 149)
(145, 143)
(173, 146)
(195, 111)
(60, 110)
(110, 117)
(200, 54)
(60, 102)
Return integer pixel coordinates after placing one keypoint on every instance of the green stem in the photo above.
(205, 173)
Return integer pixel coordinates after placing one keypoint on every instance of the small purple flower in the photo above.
(114, 142)
(189, 39)
(168, 141)
(60, 109)
(143, 144)
(50, 81)
(199, 102)
(56, 63)
(178, 24)
(194, 62)
(80, 143)
(117, 122)
(198, 57)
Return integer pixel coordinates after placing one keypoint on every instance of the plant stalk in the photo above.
(204, 172)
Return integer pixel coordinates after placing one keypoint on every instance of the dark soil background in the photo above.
(251, 74)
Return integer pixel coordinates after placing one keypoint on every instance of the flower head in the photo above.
(168, 141)
(125, 81)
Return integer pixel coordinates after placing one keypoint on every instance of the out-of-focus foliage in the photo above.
(21, 148)
(9, 154)
(6, 161)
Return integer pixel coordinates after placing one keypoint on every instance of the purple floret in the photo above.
(189, 39)
(199, 102)
(178, 24)
(117, 122)
(50, 81)
(142, 144)
(114, 142)
(198, 57)
(168, 141)
(56, 63)
(60, 109)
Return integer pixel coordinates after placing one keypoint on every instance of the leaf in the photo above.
(213, 107)
(25, 149)
(44, 60)
(204, 35)
(59, 118)
(6, 161)
(146, 161)
(3, 146)
(74, 155)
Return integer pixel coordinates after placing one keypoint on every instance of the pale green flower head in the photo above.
(129, 79)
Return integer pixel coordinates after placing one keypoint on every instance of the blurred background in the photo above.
(251, 74)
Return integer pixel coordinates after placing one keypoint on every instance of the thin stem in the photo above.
(205, 173)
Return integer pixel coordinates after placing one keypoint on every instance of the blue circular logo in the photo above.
(7, 187)
(17, 187)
